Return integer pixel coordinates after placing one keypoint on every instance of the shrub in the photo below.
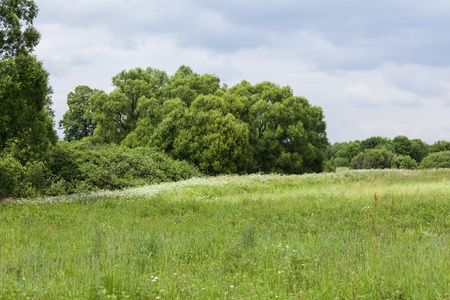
(403, 162)
(10, 174)
(329, 166)
(341, 162)
(373, 159)
(83, 165)
(436, 160)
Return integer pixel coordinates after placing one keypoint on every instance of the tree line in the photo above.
(381, 152)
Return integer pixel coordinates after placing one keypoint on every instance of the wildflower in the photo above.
(231, 286)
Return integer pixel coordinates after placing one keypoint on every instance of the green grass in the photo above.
(347, 235)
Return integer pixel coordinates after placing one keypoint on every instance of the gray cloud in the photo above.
(365, 34)
(364, 62)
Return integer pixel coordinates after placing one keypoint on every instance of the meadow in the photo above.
(367, 234)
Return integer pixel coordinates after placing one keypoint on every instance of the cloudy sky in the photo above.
(377, 68)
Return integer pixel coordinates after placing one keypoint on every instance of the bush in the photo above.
(436, 160)
(373, 159)
(341, 162)
(329, 166)
(10, 177)
(83, 166)
(403, 162)
(117, 167)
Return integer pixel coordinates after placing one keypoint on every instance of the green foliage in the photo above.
(114, 167)
(117, 113)
(376, 142)
(287, 134)
(187, 85)
(330, 166)
(260, 128)
(26, 123)
(77, 122)
(419, 150)
(408, 153)
(343, 153)
(82, 166)
(341, 162)
(440, 146)
(214, 142)
(17, 34)
(373, 159)
(436, 160)
(10, 176)
(402, 145)
(416, 149)
(403, 162)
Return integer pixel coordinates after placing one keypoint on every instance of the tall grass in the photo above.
(348, 235)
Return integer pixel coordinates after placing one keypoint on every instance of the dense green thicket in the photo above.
(379, 152)
(82, 166)
(373, 159)
(243, 129)
(436, 160)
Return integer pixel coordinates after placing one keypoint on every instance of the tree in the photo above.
(213, 138)
(419, 150)
(346, 155)
(287, 134)
(436, 160)
(26, 120)
(376, 142)
(402, 145)
(77, 122)
(187, 85)
(399, 161)
(440, 146)
(26, 124)
(376, 158)
(14, 15)
(116, 114)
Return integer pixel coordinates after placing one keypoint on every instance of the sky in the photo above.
(377, 68)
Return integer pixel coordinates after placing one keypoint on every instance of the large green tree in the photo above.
(26, 123)
(287, 134)
(116, 114)
(26, 120)
(77, 122)
(17, 34)
(187, 85)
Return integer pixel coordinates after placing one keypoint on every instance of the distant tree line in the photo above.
(380, 152)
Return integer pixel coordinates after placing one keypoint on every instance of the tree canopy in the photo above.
(17, 34)
(243, 129)
(77, 121)
(26, 119)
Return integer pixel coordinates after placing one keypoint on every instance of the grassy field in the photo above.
(378, 234)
